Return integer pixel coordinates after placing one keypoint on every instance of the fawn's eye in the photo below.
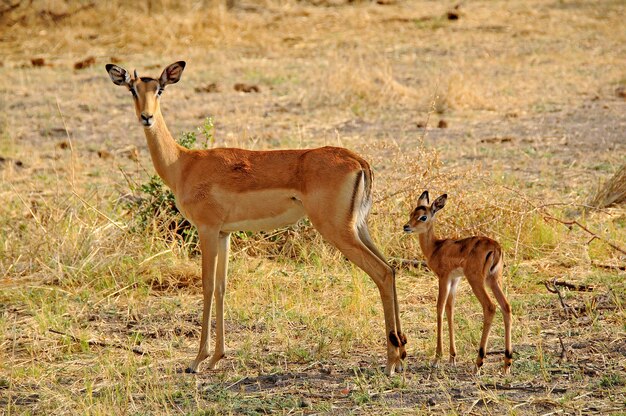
(423, 218)
(159, 92)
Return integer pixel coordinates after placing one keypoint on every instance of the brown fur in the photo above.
(225, 190)
(479, 259)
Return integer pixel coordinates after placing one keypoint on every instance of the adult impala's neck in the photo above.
(165, 152)
(427, 242)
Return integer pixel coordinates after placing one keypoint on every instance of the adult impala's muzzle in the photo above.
(147, 119)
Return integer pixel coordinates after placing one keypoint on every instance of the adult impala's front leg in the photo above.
(220, 290)
(209, 248)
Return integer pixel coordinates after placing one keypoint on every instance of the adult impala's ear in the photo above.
(172, 74)
(118, 75)
(423, 199)
(439, 203)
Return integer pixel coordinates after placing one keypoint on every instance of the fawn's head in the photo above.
(146, 91)
(423, 215)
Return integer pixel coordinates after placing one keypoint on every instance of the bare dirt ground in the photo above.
(514, 109)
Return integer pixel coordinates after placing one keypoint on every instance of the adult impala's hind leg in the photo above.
(348, 242)
(494, 284)
(220, 289)
(209, 249)
(364, 236)
(489, 310)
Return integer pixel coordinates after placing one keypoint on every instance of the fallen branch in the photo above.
(572, 286)
(96, 343)
(609, 266)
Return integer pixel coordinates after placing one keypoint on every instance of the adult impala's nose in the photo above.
(147, 119)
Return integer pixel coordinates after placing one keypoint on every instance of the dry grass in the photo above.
(613, 192)
(98, 319)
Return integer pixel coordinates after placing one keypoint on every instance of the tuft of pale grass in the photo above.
(462, 91)
(613, 191)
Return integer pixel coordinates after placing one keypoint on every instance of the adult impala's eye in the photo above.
(159, 92)
(133, 92)
(423, 218)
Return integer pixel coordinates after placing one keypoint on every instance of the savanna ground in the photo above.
(99, 315)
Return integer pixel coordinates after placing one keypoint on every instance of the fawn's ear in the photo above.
(439, 203)
(423, 199)
(118, 75)
(172, 74)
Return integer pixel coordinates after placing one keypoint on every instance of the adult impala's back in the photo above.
(225, 190)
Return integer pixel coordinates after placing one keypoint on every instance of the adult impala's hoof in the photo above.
(506, 370)
(214, 360)
(390, 369)
(393, 366)
(452, 361)
(190, 370)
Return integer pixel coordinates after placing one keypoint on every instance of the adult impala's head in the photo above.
(423, 215)
(146, 91)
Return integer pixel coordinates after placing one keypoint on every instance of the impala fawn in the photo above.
(479, 259)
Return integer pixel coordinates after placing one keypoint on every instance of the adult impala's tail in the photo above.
(362, 196)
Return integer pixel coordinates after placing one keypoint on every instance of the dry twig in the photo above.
(524, 387)
(96, 343)
(555, 289)
(609, 266)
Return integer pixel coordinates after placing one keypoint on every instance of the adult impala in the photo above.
(479, 259)
(224, 190)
